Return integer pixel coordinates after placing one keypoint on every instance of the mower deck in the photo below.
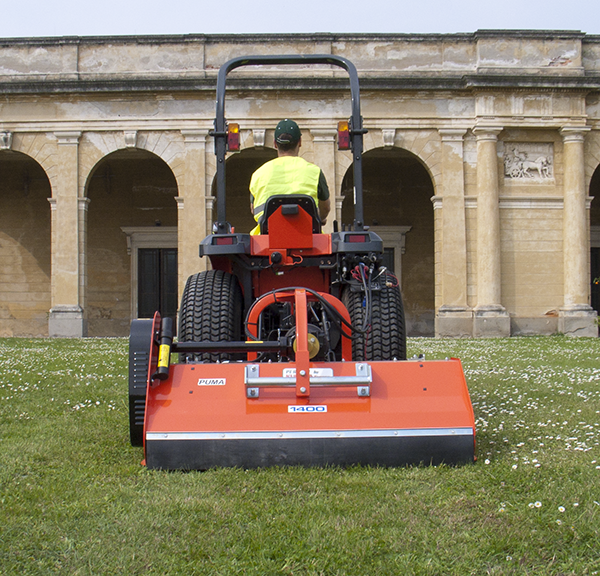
(372, 413)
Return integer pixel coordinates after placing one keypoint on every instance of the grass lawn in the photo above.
(75, 500)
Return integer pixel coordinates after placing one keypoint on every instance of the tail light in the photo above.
(233, 137)
(343, 136)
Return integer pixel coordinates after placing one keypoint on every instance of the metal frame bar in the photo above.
(220, 131)
(362, 380)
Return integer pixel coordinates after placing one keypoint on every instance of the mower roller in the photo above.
(292, 348)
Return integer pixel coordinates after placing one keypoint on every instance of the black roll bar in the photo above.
(221, 225)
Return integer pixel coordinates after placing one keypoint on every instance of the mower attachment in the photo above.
(386, 413)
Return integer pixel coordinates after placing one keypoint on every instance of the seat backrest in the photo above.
(303, 201)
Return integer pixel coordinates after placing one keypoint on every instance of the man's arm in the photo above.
(323, 195)
(324, 208)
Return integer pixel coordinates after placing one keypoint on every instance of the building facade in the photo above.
(481, 167)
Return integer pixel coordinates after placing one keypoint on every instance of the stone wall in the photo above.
(479, 159)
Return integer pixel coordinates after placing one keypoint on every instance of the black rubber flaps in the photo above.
(190, 454)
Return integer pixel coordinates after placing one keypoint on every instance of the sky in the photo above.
(42, 18)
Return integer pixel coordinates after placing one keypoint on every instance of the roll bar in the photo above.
(220, 131)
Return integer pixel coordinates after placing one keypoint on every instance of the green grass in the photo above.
(75, 500)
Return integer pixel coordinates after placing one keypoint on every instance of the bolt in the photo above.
(302, 372)
(303, 390)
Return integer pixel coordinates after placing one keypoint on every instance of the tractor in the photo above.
(291, 348)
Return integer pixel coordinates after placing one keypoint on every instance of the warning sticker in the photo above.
(314, 372)
(211, 382)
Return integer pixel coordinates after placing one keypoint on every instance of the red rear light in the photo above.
(356, 238)
(343, 136)
(233, 137)
(224, 241)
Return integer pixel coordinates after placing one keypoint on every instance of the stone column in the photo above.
(324, 150)
(191, 224)
(67, 317)
(454, 317)
(576, 317)
(82, 209)
(490, 317)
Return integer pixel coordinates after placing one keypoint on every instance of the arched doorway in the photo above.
(595, 240)
(239, 170)
(397, 205)
(131, 241)
(25, 246)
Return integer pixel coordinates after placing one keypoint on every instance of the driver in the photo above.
(288, 174)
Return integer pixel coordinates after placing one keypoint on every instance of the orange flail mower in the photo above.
(292, 348)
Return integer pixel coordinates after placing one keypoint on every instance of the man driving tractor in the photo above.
(288, 174)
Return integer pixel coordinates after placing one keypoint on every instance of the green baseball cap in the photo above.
(287, 132)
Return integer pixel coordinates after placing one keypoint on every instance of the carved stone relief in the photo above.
(5, 140)
(528, 161)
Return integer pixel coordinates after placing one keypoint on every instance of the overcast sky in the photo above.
(22, 18)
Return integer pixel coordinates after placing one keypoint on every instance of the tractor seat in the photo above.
(305, 202)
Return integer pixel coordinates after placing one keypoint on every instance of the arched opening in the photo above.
(240, 168)
(397, 205)
(131, 241)
(595, 240)
(25, 241)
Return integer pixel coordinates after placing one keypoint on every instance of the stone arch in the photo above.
(25, 240)
(424, 144)
(94, 146)
(132, 216)
(41, 148)
(397, 201)
(239, 169)
(343, 161)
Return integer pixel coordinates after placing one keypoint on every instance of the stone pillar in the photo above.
(339, 202)
(454, 317)
(490, 317)
(82, 209)
(576, 317)
(324, 151)
(67, 317)
(191, 216)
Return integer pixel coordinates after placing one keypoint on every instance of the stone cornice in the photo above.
(276, 37)
(468, 83)
(498, 60)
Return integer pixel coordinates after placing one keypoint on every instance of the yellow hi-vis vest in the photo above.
(285, 175)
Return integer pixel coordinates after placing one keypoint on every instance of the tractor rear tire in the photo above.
(211, 310)
(385, 337)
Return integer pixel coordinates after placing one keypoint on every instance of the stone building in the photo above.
(481, 167)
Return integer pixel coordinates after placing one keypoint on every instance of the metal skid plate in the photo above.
(203, 416)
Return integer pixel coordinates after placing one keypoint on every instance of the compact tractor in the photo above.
(292, 347)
